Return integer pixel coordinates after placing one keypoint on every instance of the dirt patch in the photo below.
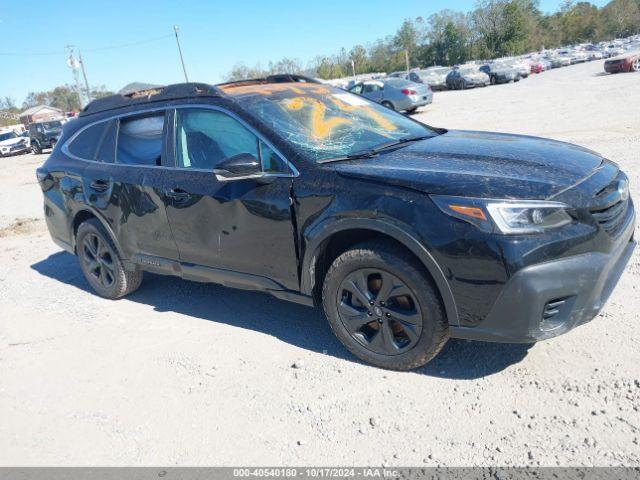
(23, 226)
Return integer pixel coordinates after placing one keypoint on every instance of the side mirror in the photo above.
(239, 166)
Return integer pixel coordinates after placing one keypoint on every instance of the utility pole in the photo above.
(353, 67)
(84, 75)
(175, 29)
(73, 64)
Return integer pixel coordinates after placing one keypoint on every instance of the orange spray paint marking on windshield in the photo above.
(375, 116)
(320, 126)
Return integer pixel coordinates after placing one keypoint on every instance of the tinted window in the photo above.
(107, 147)
(140, 140)
(356, 89)
(371, 87)
(206, 137)
(86, 143)
(271, 162)
(7, 136)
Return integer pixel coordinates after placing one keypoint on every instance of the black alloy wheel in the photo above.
(98, 258)
(379, 311)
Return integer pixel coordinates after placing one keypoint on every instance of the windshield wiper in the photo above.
(351, 156)
(373, 152)
(401, 141)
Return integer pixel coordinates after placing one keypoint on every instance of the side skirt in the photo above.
(220, 276)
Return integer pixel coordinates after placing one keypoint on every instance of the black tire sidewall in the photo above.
(434, 318)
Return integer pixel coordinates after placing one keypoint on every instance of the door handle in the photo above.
(177, 194)
(99, 185)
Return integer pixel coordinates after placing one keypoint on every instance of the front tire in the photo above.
(35, 148)
(383, 308)
(101, 264)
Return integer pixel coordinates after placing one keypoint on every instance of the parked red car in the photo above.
(628, 62)
(536, 67)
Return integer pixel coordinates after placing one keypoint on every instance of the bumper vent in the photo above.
(556, 312)
(552, 309)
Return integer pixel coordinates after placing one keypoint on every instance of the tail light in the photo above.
(408, 91)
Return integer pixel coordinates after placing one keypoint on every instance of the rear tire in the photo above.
(101, 263)
(395, 318)
(389, 105)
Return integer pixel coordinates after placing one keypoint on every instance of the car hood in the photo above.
(479, 164)
(11, 141)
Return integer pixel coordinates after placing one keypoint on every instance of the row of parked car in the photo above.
(37, 137)
(409, 90)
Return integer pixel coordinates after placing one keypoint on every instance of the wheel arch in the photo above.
(82, 215)
(321, 249)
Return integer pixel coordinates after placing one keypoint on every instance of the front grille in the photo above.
(611, 204)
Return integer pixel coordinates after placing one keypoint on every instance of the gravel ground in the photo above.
(182, 373)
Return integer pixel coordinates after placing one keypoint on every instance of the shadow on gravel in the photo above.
(298, 325)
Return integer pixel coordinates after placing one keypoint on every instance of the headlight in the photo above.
(528, 217)
(504, 216)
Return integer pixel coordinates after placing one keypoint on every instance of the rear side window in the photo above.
(86, 143)
(140, 140)
(107, 147)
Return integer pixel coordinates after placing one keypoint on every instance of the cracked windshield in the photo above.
(325, 123)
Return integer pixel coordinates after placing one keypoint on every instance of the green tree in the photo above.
(622, 17)
(358, 55)
(406, 38)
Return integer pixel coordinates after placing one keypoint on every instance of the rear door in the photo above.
(124, 181)
(241, 225)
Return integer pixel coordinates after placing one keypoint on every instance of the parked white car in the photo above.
(12, 144)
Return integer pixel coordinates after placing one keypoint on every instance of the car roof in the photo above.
(179, 91)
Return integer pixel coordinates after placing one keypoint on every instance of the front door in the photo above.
(240, 225)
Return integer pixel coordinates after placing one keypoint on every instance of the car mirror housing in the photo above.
(242, 165)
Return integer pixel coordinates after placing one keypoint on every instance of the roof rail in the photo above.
(151, 95)
(275, 78)
(290, 77)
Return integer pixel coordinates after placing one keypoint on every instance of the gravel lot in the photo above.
(183, 373)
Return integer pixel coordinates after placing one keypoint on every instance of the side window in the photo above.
(206, 137)
(86, 143)
(140, 140)
(271, 162)
(357, 89)
(107, 147)
(371, 87)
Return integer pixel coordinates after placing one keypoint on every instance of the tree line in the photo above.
(493, 29)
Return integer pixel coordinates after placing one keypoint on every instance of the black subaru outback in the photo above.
(406, 234)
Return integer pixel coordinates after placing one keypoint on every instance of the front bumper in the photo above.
(577, 287)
